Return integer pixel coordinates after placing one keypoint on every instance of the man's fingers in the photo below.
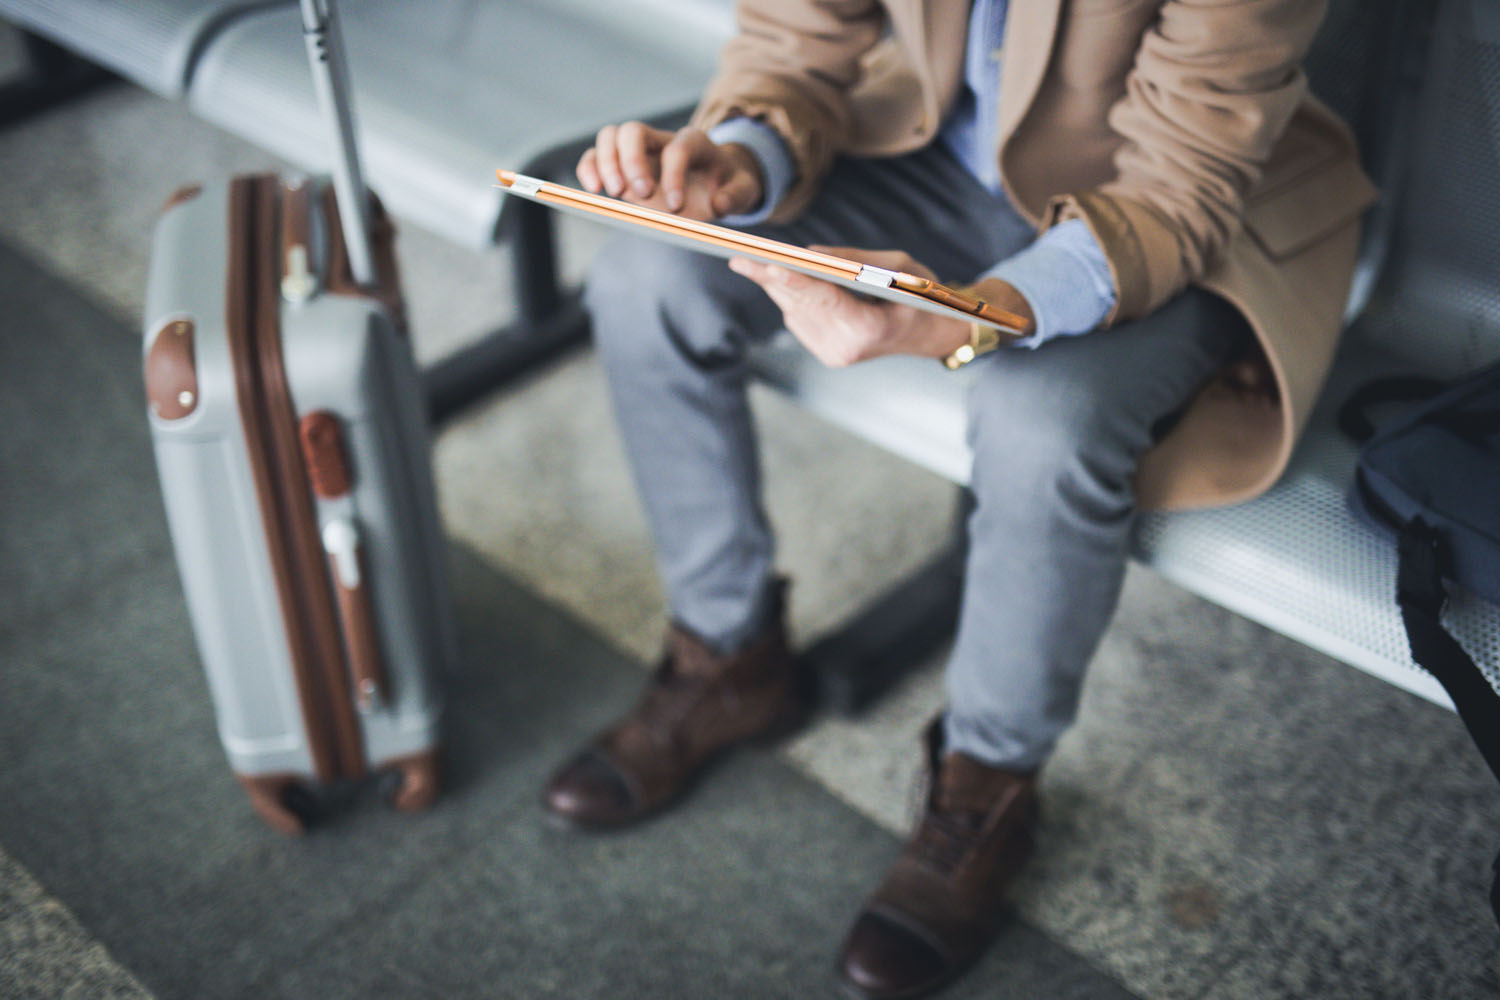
(588, 171)
(687, 147)
(607, 159)
(758, 272)
(623, 158)
(637, 166)
(738, 195)
(794, 292)
(836, 325)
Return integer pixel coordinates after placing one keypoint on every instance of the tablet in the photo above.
(721, 241)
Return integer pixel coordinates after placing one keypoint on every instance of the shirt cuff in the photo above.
(777, 171)
(1065, 277)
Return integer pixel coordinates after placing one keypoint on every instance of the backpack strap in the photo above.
(1421, 595)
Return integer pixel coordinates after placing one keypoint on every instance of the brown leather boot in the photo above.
(697, 704)
(940, 904)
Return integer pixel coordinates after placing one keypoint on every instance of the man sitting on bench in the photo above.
(1150, 173)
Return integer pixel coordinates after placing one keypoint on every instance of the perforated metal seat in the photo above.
(445, 92)
(1295, 559)
(152, 42)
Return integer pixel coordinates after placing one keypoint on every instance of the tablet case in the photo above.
(721, 241)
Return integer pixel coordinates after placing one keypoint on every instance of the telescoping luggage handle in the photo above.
(325, 51)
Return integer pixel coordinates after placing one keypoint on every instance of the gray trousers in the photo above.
(1055, 432)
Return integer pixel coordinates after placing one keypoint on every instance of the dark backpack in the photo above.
(1431, 481)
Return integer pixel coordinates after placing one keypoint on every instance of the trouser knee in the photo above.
(1041, 438)
(649, 301)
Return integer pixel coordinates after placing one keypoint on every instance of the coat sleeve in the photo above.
(1214, 85)
(791, 66)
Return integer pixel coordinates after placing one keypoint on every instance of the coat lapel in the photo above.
(1030, 29)
(945, 24)
(910, 22)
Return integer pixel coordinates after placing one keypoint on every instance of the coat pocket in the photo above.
(1313, 186)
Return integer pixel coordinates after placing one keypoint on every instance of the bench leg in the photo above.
(52, 76)
(867, 654)
(551, 323)
(538, 291)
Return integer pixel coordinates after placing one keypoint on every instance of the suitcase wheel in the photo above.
(303, 803)
(411, 783)
(285, 803)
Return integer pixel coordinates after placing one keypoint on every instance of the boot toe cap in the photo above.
(882, 959)
(587, 791)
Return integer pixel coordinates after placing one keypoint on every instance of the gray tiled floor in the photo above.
(1234, 816)
(115, 795)
(45, 954)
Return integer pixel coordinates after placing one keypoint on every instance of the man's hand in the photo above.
(841, 328)
(683, 172)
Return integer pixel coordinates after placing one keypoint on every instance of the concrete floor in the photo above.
(1234, 815)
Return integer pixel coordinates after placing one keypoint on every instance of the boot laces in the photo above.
(944, 838)
(672, 698)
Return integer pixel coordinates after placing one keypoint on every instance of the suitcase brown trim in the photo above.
(239, 324)
(267, 794)
(323, 454)
(308, 562)
(181, 196)
(421, 779)
(252, 308)
(172, 371)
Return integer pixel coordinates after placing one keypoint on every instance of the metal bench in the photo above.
(155, 43)
(444, 92)
(448, 91)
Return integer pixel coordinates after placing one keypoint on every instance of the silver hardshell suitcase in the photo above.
(290, 436)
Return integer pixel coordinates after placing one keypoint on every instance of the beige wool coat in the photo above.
(1180, 131)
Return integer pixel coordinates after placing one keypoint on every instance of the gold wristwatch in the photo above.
(983, 337)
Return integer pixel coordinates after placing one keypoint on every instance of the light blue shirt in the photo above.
(1064, 274)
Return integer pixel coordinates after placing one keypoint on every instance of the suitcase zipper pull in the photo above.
(299, 281)
(341, 542)
(299, 284)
